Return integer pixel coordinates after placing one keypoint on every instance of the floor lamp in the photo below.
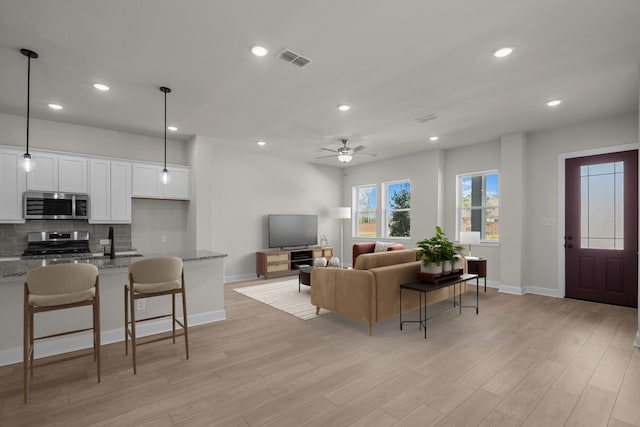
(342, 213)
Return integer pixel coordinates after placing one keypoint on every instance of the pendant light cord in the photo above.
(165, 130)
(165, 90)
(28, 97)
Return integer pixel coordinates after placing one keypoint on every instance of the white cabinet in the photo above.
(147, 182)
(99, 190)
(109, 191)
(58, 172)
(12, 184)
(44, 177)
(72, 174)
(178, 185)
(120, 191)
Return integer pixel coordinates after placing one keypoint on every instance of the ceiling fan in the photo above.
(346, 154)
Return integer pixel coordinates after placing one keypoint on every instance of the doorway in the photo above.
(601, 228)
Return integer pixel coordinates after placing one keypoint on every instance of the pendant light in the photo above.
(165, 172)
(27, 162)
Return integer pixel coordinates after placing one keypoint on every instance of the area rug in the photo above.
(284, 296)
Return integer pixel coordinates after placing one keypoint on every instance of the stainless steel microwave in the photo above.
(39, 205)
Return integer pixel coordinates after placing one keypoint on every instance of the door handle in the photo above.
(568, 246)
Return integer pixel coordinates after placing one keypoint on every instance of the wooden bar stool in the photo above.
(150, 278)
(58, 287)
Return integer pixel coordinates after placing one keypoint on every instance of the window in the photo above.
(479, 204)
(398, 209)
(365, 211)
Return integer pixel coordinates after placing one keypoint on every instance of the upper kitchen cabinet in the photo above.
(58, 173)
(12, 185)
(44, 177)
(109, 191)
(147, 182)
(72, 174)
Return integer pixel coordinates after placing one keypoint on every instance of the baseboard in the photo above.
(240, 278)
(637, 342)
(544, 292)
(84, 340)
(514, 290)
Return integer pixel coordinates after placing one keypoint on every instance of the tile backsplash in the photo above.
(13, 237)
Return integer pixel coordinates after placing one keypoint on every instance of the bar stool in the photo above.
(58, 287)
(150, 278)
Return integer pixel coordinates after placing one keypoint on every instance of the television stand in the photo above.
(279, 262)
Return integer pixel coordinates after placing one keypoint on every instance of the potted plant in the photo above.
(431, 256)
(438, 253)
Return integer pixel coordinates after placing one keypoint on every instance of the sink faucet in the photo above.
(112, 250)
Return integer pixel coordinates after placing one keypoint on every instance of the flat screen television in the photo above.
(292, 230)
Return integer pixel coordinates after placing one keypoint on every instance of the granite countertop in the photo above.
(16, 266)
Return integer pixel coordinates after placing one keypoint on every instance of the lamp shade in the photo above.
(342, 212)
(469, 237)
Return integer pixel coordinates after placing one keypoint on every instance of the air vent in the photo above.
(427, 118)
(293, 58)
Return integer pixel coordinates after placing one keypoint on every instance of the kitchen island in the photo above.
(204, 281)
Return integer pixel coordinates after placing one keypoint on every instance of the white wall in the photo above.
(425, 170)
(543, 148)
(475, 158)
(57, 136)
(243, 188)
(152, 219)
(539, 242)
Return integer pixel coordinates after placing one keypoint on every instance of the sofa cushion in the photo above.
(382, 246)
(381, 259)
(368, 247)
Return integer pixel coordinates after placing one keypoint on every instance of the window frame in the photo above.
(482, 208)
(356, 211)
(386, 213)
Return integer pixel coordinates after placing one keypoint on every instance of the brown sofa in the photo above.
(370, 292)
(368, 247)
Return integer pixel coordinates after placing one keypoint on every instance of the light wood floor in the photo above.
(525, 360)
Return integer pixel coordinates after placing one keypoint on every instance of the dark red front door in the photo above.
(601, 224)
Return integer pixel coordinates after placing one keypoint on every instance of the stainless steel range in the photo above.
(57, 244)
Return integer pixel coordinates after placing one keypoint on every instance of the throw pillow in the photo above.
(382, 246)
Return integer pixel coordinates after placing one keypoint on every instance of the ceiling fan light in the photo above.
(345, 158)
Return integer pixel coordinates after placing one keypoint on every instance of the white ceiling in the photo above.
(393, 61)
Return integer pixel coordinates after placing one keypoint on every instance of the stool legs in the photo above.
(184, 315)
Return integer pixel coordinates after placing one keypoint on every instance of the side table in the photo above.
(478, 266)
(425, 288)
(304, 276)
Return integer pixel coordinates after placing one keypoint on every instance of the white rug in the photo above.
(284, 296)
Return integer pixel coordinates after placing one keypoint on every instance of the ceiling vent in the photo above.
(293, 58)
(427, 118)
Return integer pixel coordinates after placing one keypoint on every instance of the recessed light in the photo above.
(55, 106)
(344, 107)
(554, 102)
(433, 138)
(101, 87)
(261, 143)
(172, 128)
(503, 51)
(259, 50)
